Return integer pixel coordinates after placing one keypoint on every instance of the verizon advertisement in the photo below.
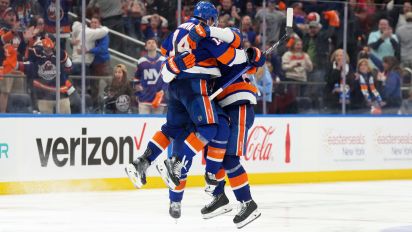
(94, 147)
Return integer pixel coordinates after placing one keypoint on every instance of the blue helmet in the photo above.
(206, 11)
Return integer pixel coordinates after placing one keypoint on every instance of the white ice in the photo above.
(383, 206)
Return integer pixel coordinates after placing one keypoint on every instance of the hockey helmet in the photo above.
(206, 10)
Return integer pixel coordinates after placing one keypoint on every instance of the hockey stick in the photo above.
(289, 21)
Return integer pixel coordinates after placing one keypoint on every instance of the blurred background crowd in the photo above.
(310, 73)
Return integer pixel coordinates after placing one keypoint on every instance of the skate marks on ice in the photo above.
(384, 206)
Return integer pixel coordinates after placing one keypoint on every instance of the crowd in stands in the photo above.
(310, 73)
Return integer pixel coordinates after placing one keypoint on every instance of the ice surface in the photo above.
(382, 206)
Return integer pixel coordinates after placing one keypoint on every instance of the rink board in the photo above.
(48, 153)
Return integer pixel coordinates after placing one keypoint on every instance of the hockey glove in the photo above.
(181, 62)
(158, 99)
(255, 57)
(198, 33)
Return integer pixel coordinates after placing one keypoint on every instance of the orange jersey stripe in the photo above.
(194, 142)
(208, 62)
(161, 139)
(181, 186)
(203, 87)
(242, 130)
(238, 180)
(236, 87)
(220, 174)
(228, 56)
(206, 102)
(236, 41)
(216, 153)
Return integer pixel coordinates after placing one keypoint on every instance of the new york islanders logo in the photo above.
(123, 103)
(51, 12)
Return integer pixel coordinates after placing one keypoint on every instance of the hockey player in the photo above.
(188, 100)
(236, 102)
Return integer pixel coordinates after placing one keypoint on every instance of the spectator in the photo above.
(392, 85)
(250, 10)
(100, 64)
(383, 42)
(24, 11)
(248, 33)
(365, 81)
(299, 15)
(134, 11)
(4, 4)
(223, 21)
(264, 83)
(404, 34)
(228, 8)
(333, 89)
(317, 43)
(118, 93)
(154, 26)
(407, 7)
(93, 33)
(7, 36)
(111, 14)
(41, 67)
(49, 16)
(149, 85)
(296, 63)
(275, 20)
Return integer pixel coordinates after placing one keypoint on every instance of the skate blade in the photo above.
(253, 216)
(161, 168)
(132, 174)
(222, 210)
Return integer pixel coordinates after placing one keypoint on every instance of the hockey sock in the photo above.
(220, 188)
(216, 148)
(157, 145)
(195, 142)
(238, 178)
(191, 146)
(214, 157)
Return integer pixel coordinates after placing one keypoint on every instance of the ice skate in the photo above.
(211, 183)
(171, 171)
(175, 209)
(219, 205)
(247, 214)
(136, 171)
